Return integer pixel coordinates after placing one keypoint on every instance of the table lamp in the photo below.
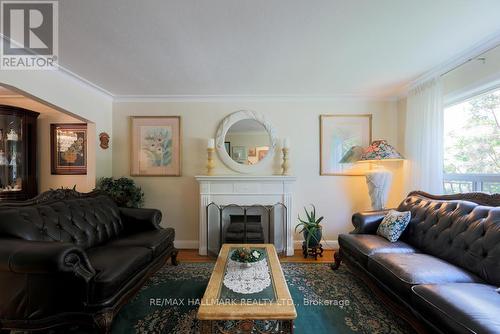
(379, 179)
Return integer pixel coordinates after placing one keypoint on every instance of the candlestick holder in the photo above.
(285, 165)
(210, 161)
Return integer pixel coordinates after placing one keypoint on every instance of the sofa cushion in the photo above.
(115, 266)
(361, 246)
(156, 240)
(402, 271)
(460, 232)
(86, 222)
(393, 225)
(463, 307)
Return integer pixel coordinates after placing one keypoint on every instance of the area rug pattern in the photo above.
(327, 302)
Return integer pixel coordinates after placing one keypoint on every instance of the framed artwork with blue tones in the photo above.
(156, 146)
(343, 139)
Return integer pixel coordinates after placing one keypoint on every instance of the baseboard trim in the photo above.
(186, 244)
(327, 244)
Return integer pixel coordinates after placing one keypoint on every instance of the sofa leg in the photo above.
(174, 257)
(104, 321)
(338, 259)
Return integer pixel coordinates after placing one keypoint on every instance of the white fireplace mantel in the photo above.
(245, 190)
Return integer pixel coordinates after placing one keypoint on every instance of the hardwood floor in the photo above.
(191, 255)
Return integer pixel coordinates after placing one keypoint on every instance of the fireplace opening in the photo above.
(240, 231)
(246, 224)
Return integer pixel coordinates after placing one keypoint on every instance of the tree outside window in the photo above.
(472, 144)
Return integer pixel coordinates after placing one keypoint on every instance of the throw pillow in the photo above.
(393, 225)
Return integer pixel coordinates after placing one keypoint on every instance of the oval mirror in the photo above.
(245, 140)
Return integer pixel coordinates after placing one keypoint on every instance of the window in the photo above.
(472, 145)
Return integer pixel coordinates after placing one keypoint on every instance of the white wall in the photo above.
(336, 197)
(68, 94)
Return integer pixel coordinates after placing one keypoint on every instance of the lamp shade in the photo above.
(380, 150)
(352, 156)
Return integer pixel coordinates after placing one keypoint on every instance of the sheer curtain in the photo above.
(424, 138)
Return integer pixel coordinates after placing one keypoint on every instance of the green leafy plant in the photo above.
(247, 255)
(310, 227)
(123, 191)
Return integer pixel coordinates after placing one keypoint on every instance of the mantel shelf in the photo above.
(232, 177)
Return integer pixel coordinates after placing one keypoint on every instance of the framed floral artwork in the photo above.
(342, 140)
(156, 146)
(68, 149)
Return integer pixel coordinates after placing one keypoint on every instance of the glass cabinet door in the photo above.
(11, 153)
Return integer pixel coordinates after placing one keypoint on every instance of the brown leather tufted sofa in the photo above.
(69, 258)
(446, 266)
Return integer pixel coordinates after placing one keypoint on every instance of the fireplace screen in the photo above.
(251, 224)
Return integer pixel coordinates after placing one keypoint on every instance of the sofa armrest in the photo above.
(44, 257)
(367, 222)
(140, 220)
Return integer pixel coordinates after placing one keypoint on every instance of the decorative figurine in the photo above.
(104, 140)
(12, 135)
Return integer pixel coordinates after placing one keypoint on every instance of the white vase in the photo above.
(379, 182)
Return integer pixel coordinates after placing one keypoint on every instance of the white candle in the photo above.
(286, 142)
(211, 143)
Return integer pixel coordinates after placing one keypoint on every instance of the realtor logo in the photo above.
(29, 35)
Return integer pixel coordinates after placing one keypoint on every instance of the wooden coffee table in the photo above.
(257, 309)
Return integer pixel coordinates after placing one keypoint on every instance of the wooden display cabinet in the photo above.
(17, 153)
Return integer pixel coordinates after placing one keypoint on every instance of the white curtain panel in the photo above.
(424, 138)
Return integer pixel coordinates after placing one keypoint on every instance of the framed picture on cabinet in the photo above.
(156, 146)
(342, 140)
(68, 149)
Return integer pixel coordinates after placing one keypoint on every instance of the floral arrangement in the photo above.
(76, 147)
(157, 145)
(247, 255)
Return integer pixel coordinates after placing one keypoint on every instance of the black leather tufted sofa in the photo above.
(446, 266)
(73, 258)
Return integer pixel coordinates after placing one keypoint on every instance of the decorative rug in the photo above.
(327, 301)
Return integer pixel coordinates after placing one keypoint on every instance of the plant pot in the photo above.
(315, 239)
(69, 157)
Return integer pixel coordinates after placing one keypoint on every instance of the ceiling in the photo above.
(263, 47)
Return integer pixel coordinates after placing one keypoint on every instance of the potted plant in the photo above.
(123, 191)
(310, 227)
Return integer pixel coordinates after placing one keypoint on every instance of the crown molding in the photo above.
(463, 57)
(84, 82)
(249, 98)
